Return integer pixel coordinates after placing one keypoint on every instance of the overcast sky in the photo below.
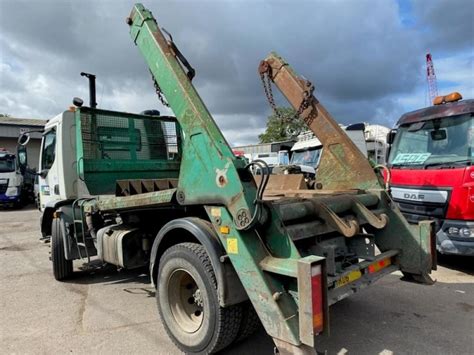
(365, 57)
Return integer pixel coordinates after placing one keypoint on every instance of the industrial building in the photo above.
(11, 128)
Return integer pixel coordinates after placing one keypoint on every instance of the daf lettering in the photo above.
(409, 196)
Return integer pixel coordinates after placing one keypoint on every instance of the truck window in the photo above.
(49, 149)
(309, 157)
(441, 141)
(7, 164)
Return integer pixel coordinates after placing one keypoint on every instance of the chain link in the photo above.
(158, 91)
(305, 103)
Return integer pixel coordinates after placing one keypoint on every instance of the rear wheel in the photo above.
(188, 301)
(62, 268)
(250, 322)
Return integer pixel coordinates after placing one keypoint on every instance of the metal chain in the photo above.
(267, 87)
(305, 103)
(158, 91)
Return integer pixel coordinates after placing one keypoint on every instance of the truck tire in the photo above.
(62, 268)
(250, 322)
(188, 301)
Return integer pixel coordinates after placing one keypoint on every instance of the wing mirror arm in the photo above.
(43, 173)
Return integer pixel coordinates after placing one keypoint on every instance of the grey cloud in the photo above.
(448, 25)
(358, 55)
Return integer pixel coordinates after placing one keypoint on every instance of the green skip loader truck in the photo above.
(224, 253)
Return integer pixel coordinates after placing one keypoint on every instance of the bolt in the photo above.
(277, 295)
(180, 196)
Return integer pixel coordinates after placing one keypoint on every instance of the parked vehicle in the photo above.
(16, 179)
(223, 255)
(431, 170)
(307, 150)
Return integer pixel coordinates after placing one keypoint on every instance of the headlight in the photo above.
(460, 232)
(12, 191)
(466, 232)
(453, 231)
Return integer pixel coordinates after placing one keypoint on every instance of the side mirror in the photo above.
(438, 135)
(22, 158)
(391, 136)
(23, 139)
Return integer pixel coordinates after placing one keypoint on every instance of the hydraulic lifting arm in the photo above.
(212, 170)
(342, 165)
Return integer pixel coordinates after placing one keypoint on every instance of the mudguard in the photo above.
(230, 289)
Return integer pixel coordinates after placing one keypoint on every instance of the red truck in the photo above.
(432, 173)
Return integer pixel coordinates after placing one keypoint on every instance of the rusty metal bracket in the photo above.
(375, 221)
(346, 228)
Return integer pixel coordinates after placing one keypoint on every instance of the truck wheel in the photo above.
(250, 322)
(188, 302)
(62, 268)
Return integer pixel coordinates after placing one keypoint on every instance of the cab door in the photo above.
(48, 168)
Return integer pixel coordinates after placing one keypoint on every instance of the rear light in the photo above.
(317, 298)
(312, 298)
(379, 265)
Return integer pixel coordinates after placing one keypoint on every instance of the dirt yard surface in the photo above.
(111, 312)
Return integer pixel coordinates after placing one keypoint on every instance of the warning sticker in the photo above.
(410, 158)
(232, 246)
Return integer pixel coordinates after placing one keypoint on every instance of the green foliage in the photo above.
(4, 115)
(282, 129)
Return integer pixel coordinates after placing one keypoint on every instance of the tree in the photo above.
(282, 127)
(4, 115)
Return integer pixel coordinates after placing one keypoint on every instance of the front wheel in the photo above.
(62, 268)
(188, 301)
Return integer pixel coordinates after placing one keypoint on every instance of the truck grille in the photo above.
(415, 212)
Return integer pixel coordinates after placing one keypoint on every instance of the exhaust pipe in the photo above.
(92, 99)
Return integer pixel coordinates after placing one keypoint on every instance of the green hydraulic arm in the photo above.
(212, 170)
(212, 176)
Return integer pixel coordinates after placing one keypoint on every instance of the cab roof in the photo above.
(438, 111)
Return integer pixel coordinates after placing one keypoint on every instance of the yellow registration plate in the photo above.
(348, 278)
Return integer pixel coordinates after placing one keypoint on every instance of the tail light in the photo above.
(312, 297)
(317, 298)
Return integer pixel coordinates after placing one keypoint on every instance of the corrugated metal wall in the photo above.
(9, 137)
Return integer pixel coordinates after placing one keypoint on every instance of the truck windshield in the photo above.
(444, 142)
(306, 157)
(7, 165)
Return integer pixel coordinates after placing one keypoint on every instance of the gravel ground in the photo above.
(111, 312)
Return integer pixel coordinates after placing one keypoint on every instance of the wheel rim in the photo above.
(185, 299)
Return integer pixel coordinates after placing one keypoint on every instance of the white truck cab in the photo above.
(11, 179)
(58, 178)
(306, 153)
